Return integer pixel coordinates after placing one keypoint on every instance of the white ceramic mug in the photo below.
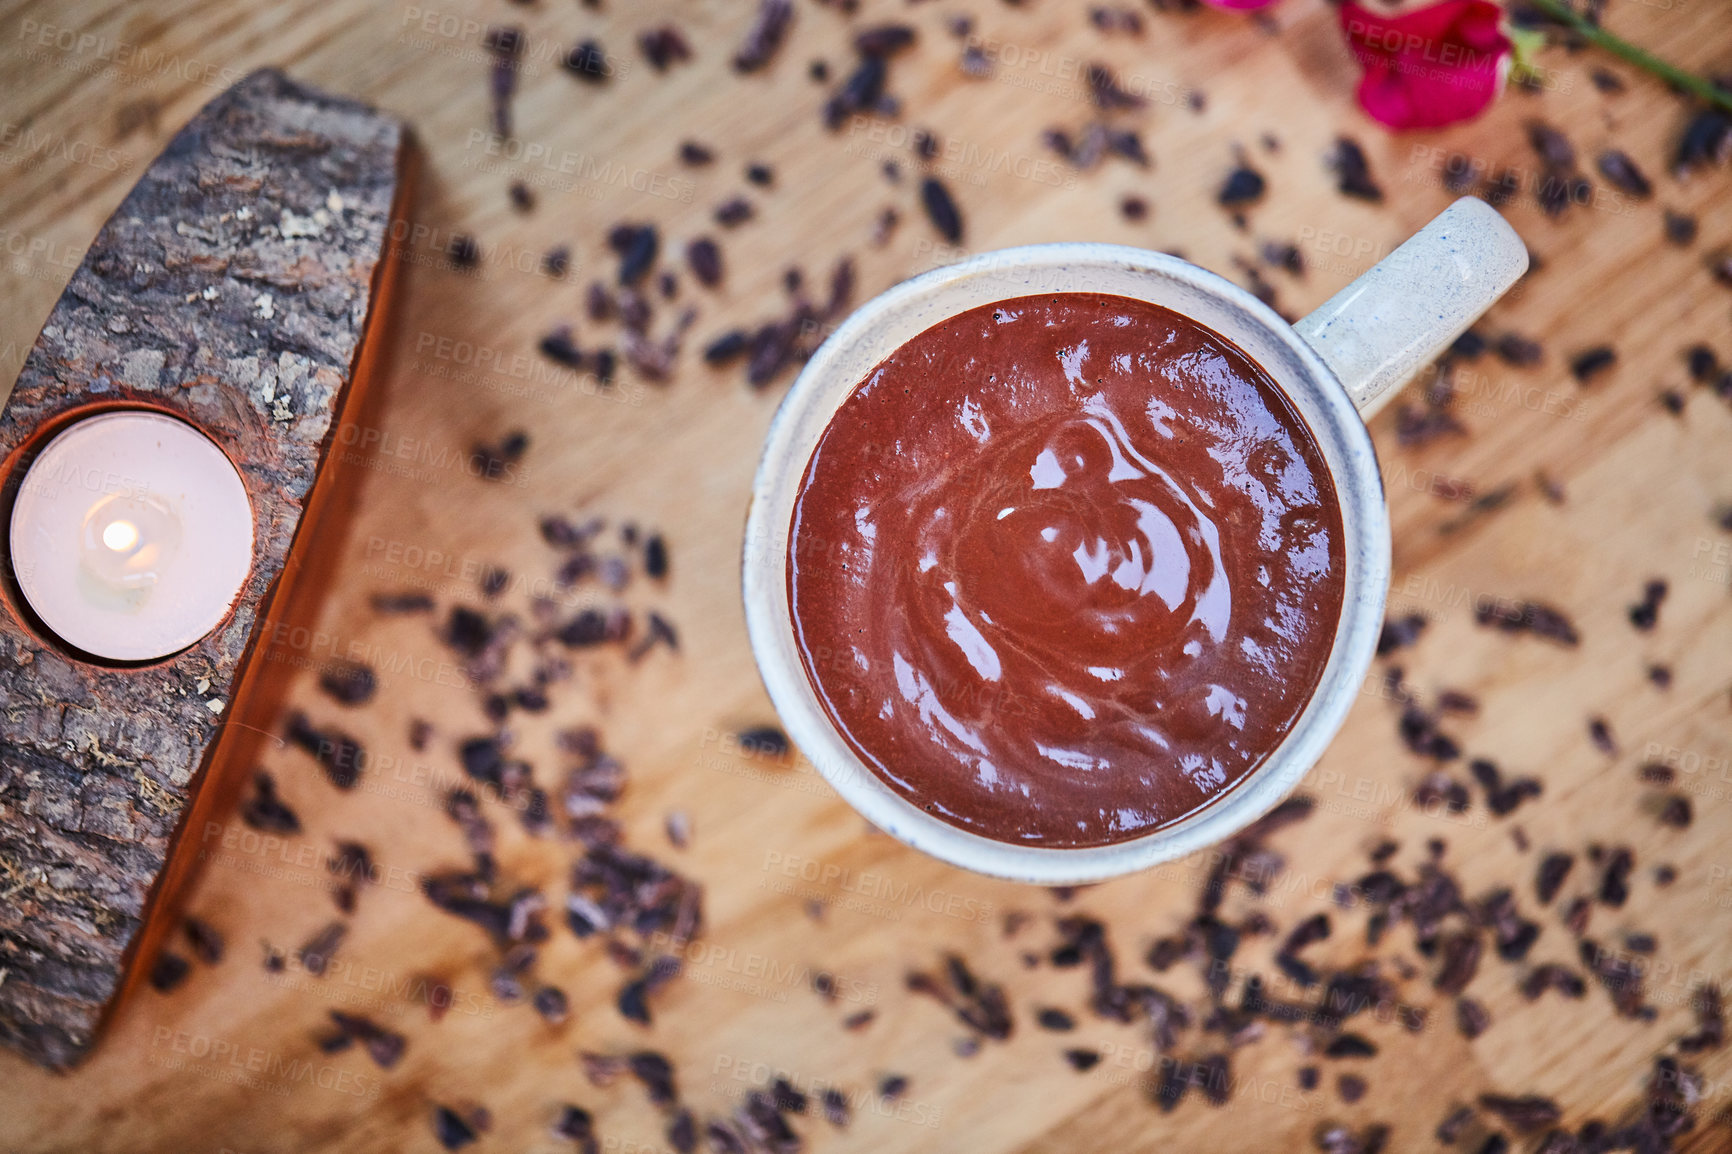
(1336, 365)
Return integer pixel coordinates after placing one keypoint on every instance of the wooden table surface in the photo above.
(91, 89)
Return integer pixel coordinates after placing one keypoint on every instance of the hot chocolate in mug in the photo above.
(1191, 376)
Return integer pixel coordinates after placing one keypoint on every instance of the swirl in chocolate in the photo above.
(1065, 569)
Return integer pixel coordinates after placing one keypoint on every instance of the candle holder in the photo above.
(239, 289)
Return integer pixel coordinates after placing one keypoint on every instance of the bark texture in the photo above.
(232, 287)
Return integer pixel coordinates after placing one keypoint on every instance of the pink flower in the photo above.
(1429, 67)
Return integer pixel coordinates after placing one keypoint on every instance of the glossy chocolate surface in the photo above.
(1065, 569)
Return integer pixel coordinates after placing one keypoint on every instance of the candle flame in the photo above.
(120, 535)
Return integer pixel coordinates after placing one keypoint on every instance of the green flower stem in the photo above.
(1618, 46)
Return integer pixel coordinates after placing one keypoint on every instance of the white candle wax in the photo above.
(131, 535)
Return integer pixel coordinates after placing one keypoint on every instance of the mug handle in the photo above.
(1408, 307)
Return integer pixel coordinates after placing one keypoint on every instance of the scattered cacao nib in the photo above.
(859, 1020)
(1706, 141)
(1554, 868)
(168, 971)
(1620, 975)
(494, 459)
(1677, 812)
(1681, 228)
(764, 740)
(462, 252)
(575, 1124)
(1617, 167)
(656, 1074)
(1419, 732)
(941, 209)
(393, 604)
(315, 955)
(980, 1006)
(1710, 1021)
(1055, 1019)
(1451, 1127)
(1082, 1061)
(561, 348)
(1645, 614)
(1309, 1077)
(1528, 617)
(1116, 20)
(1471, 1018)
(265, 811)
(522, 196)
(765, 35)
(1105, 91)
(348, 682)
(1351, 1087)
(588, 62)
(727, 348)
(636, 245)
(1517, 351)
(353, 868)
(1615, 882)
(1656, 773)
(664, 46)
(338, 754)
(384, 1046)
(505, 45)
(556, 260)
(836, 1108)
(705, 260)
(1243, 186)
(1499, 190)
(1399, 633)
(1350, 1046)
(1352, 171)
(695, 155)
(734, 211)
(1134, 208)
(1525, 1114)
(1552, 976)
(1461, 953)
(1576, 915)
(450, 1128)
(205, 941)
(1494, 1143)
(1417, 425)
(658, 630)
(1600, 733)
(1590, 363)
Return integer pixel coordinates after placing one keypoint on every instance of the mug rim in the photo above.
(769, 620)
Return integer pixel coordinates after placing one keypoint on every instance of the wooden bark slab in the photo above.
(232, 287)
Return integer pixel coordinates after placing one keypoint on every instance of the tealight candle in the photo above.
(131, 535)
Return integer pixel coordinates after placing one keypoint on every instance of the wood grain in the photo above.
(1641, 489)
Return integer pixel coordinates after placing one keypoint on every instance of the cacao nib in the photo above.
(1617, 167)
(941, 209)
(348, 682)
(168, 971)
(765, 35)
(1553, 869)
(265, 811)
(588, 62)
(1523, 1114)
(1353, 172)
(705, 259)
(338, 754)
